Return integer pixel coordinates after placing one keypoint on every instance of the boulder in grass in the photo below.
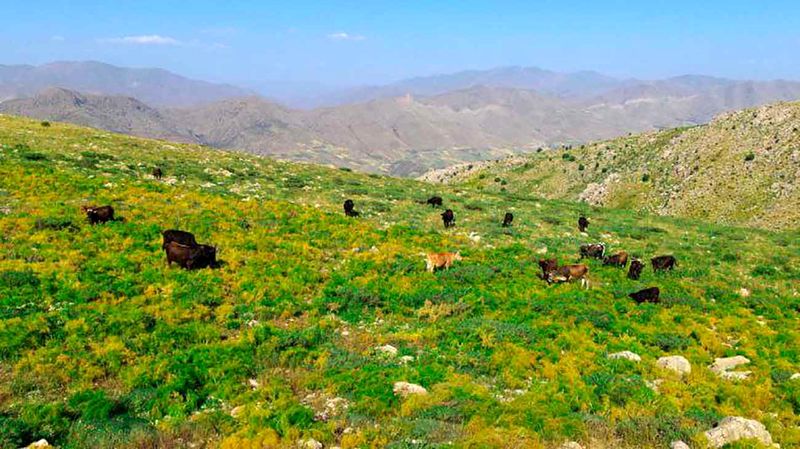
(735, 428)
(627, 355)
(676, 363)
(407, 389)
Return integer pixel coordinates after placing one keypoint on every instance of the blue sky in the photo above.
(357, 42)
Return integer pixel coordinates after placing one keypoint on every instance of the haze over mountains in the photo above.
(403, 128)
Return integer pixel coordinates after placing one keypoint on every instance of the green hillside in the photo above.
(103, 346)
(742, 168)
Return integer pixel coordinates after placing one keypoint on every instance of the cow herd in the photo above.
(181, 247)
(552, 272)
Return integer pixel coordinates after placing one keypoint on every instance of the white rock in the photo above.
(676, 363)
(722, 367)
(237, 411)
(734, 428)
(406, 359)
(727, 363)
(542, 250)
(571, 445)
(795, 376)
(405, 389)
(744, 293)
(387, 349)
(628, 355)
(678, 445)
(309, 444)
(654, 384)
(41, 444)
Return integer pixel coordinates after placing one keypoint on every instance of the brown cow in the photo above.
(663, 263)
(182, 237)
(548, 266)
(636, 269)
(101, 214)
(620, 259)
(569, 273)
(647, 295)
(191, 257)
(593, 250)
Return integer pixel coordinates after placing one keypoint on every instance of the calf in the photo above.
(569, 273)
(349, 209)
(548, 266)
(636, 269)
(191, 257)
(99, 214)
(448, 218)
(508, 219)
(182, 237)
(663, 263)
(435, 201)
(593, 250)
(647, 295)
(441, 260)
(157, 173)
(583, 223)
(620, 259)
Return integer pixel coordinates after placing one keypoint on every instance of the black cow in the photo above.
(435, 201)
(508, 219)
(182, 237)
(99, 214)
(583, 223)
(448, 218)
(157, 173)
(647, 295)
(663, 263)
(635, 270)
(349, 209)
(593, 250)
(191, 257)
(548, 266)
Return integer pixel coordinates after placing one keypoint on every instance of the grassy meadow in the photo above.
(103, 346)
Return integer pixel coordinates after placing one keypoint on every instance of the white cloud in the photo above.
(342, 36)
(57, 38)
(147, 39)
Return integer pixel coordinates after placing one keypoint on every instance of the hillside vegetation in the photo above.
(742, 168)
(103, 346)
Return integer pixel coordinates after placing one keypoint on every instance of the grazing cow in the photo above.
(636, 269)
(508, 219)
(435, 201)
(583, 223)
(349, 210)
(620, 259)
(568, 273)
(157, 173)
(99, 214)
(548, 266)
(663, 263)
(191, 257)
(647, 295)
(448, 218)
(182, 237)
(441, 260)
(593, 250)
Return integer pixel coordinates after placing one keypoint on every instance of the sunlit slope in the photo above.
(743, 168)
(102, 345)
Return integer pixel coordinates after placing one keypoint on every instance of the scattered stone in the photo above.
(405, 389)
(253, 384)
(309, 444)
(678, 445)
(722, 367)
(744, 293)
(676, 363)
(654, 384)
(406, 359)
(571, 445)
(734, 428)
(795, 376)
(542, 250)
(628, 355)
(237, 411)
(41, 444)
(387, 349)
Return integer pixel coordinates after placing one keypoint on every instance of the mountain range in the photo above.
(404, 128)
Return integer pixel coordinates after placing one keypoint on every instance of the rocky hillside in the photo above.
(319, 330)
(743, 168)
